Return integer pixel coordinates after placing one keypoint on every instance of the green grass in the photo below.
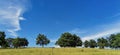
(58, 51)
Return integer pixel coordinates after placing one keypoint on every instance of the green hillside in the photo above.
(58, 51)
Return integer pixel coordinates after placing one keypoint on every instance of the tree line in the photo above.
(12, 42)
(66, 40)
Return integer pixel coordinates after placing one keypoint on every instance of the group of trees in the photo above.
(113, 41)
(72, 40)
(12, 42)
(21, 42)
(66, 40)
(101, 43)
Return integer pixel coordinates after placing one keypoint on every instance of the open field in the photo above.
(58, 51)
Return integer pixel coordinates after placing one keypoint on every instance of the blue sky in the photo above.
(90, 19)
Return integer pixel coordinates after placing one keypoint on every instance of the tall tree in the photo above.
(102, 43)
(42, 40)
(69, 40)
(3, 42)
(92, 43)
(86, 44)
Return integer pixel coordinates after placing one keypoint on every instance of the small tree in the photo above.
(102, 43)
(42, 40)
(92, 43)
(86, 44)
(69, 40)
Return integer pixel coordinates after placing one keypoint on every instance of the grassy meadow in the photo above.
(58, 51)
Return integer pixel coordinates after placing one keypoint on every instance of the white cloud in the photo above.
(101, 30)
(101, 34)
(21, 18)
(109, 29)
(11, 12)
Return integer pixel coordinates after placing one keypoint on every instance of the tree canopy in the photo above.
(3, 42)
(92, 43)
(102, 42)
(42, 40)
(86, 43)
(69, 40)
(20, 42)
(114, 40)
(10, 42)
(66, 40)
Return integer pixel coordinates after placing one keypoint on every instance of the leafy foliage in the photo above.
(114, 41)
(10, 42)
(86, 43)
(92, 43)
(66, 40)
(42, 40)
(3, 42)
(102, 43)
(20, 42)
(69, 40)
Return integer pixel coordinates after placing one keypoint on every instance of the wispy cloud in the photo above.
(11, 13)
(99, 30)
(106, 30)
(101, 34)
